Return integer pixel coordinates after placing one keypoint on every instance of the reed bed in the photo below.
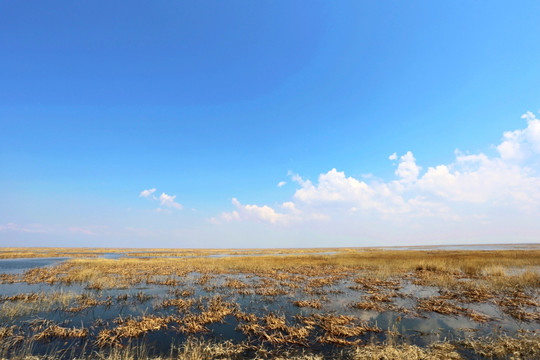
(46, 252)
(194, 296)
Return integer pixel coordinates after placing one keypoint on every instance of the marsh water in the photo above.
(411, 325)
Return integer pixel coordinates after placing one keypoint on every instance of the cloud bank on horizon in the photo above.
(474, 188)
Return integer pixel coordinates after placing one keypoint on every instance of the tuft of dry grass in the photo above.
(315, 304)
(180, 304)
(130, 328)
(440, 305)
(55, 331)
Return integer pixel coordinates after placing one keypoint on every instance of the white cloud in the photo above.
(281, 183)
(289, 214)
(168, 201)
(508, 183)
(480, 179)
(264, 213)
(407, 169)
(520, 144)
(164, 200)
(147, 193)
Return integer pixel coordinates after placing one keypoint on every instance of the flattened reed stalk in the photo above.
(55, 331)
(442, 306)
(275, 330)
(514, 303)
(469, 292)
(182, 293)
(131, 328)
(337, 328)
(7, 331)
(180, 304)
(235, 284)
(439, 305)
(315, 304)
(271, 291)
(215, 311)
(9, 278)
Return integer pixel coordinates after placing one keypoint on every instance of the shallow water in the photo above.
(20, 265)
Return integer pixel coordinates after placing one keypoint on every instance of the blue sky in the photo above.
(218, 102)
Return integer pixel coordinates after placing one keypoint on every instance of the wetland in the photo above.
(350, 303)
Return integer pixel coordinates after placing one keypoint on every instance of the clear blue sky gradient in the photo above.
(210, 100)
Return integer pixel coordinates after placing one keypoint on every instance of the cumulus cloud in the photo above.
(480, 179)
(164, 199)
(264, 213)
(407, 169)
(147, 193)
(252, 212)
(520, 144)
(168, 201)
(472, 184)
(289, 214)
(281, 183)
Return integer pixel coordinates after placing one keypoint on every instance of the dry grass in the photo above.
(429, 267)
(55, 331)
(131, 328)
(215, 311)
(524, 346)
(315, 304)
(443, 351)
(442, 306)
(380, 280)
(43, 252)
(25, 304)
(180, 304)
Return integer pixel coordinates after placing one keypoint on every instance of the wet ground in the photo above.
(399, 317)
